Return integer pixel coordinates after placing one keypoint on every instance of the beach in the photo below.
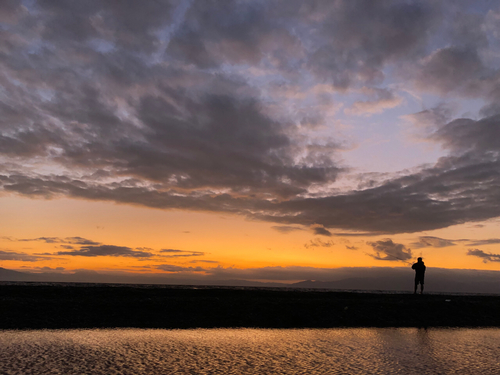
(63, 306)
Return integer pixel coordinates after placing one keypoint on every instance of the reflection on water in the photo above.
(250, 351)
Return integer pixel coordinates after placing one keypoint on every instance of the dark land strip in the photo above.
(105, 306)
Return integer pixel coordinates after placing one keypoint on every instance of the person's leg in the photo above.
(421, 287)
(416, 285)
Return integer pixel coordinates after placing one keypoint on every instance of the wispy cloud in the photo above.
(490, 241)
(486, 257)
(286, 228)
(320, 231)
(65, 240)
(171, 253)
(23, 257)
(107, 250)
(429, 241)
(174, 268)
(388, 250)
(318, 242)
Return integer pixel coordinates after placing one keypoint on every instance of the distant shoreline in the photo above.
(39, 306)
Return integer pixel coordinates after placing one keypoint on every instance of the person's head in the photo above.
(419, 260)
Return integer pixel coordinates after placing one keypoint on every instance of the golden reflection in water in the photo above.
(250, 351)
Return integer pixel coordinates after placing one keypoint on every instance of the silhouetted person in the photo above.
(419, 268)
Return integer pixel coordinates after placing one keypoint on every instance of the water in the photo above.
(251, 351)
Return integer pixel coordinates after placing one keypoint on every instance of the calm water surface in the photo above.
(251, 351)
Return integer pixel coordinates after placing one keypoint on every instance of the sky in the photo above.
(259, 140)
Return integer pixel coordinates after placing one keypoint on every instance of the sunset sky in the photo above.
(262, 140)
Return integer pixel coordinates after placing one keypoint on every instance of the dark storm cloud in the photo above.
(388, 250)
(487, 257)
(23, 257)
(107, 250)
(171, 253)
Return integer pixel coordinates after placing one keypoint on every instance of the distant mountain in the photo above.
(10, 275)
(441, 282)
(89, 276)
(369, 279)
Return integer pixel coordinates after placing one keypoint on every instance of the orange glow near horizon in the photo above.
(225, 240)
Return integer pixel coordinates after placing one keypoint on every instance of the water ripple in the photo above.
(250, 351)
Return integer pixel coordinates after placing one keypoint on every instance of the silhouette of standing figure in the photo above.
(419, 268)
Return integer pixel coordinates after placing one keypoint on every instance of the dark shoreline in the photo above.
(38, 306)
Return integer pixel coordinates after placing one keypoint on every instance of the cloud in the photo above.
(67, 247)
(107, 250)
(179, 269)
(388, 250)
(429, 241)
(237, 33)
(356, 234)
(320, 231)
(381, 99)
(432, 118)
(351, 247)
(361, 38)
(285, 229)
(441, 69)
(203, 261)
(66, 240)
(23, 257)
(489, 241)
(318, 242)
(172, 105)
(88, 248)
(48, 269)
(180, 253)
(487, 257)
(469, 136)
